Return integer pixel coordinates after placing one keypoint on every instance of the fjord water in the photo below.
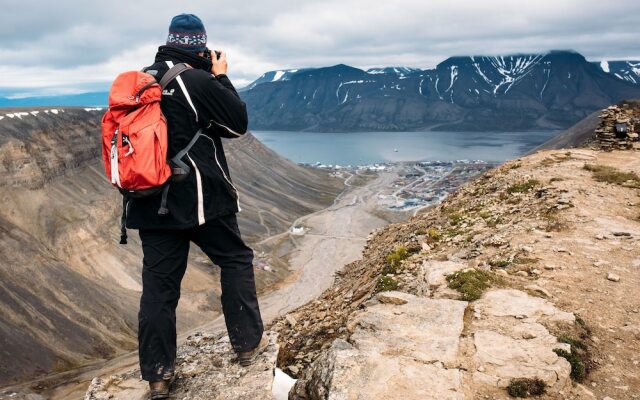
(357, 148)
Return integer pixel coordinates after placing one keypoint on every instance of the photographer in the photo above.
(200, 209)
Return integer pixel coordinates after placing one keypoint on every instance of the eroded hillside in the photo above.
(69, 292)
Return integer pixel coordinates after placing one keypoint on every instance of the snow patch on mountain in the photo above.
(626, 70)
(21, 114)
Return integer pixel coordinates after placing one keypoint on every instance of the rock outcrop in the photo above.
(205, 370)
(533, 247)
(412, 347)
(395, 351)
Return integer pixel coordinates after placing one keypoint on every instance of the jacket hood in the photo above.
(170, 53)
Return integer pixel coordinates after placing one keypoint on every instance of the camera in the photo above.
(207, 54)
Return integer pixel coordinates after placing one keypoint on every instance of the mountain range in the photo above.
(472, 93)
(519, 92)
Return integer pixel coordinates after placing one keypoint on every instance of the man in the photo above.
(201, 209)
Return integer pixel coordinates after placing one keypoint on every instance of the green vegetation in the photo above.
(492, 223)
(455, 217)
(385, 284)
(524, 387)
(523, 187)
(394, 260)
(575, 343)
(484, 214)
(515, 166)
(454, 232)
(434, 234)
(471, 283)
(499, 263)
(524, 260)
(604, 173)
(421, 232)
(578, 370)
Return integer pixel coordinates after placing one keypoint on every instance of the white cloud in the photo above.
(71, 43)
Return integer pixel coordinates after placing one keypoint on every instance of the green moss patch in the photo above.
(471, 283)
(434, 234)
(578, 370)
(524, 387)
(499, 263)
(385, 284)
(524, 260)
(604, 173)
(394, 260)
(455, 217)
(575, 343)
(523, 187)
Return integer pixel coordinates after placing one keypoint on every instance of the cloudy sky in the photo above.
(70, 46)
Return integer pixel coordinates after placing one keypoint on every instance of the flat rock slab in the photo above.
(512, 342)
(396, 351)
(518, 304)
(345, 372)
(427, 330)
(436, 272)
(503, 358)
(205, 370)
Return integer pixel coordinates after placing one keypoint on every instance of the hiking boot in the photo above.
(159, 389)
(246, 358)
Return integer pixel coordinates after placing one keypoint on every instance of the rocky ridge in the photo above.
(559, 248)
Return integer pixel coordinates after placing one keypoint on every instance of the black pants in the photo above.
(164, 265)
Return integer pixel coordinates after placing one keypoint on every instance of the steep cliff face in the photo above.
(69, 292)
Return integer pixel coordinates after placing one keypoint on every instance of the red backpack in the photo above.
(135, 138)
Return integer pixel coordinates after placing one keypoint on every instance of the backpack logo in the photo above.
(168, 92)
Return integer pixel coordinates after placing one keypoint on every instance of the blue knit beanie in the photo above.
(187, 32)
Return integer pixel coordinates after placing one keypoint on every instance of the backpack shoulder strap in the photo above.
(173, 73)
(176, 75)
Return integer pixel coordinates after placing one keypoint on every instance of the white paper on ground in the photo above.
(282, 383)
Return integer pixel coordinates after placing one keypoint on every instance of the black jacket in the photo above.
(208, 192)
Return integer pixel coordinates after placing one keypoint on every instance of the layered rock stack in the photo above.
(619, 127)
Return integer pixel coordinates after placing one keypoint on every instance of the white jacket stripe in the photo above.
(199, 190)
(184, 90)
